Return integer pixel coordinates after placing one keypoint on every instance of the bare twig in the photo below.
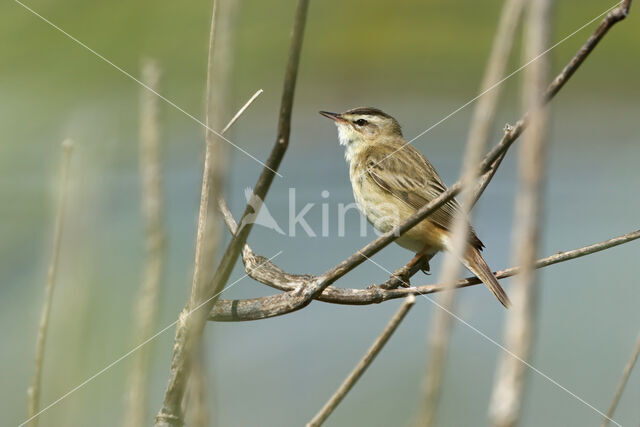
(271, 275)
(364, 363)
(484, 113)
(241, 110)
(187, 339)
(137, 396)
(33, 392)
(486, 177)
(482, 122)
(302, 295)
(196, 321)
(623, 382)
(507, 397)
(277, 153)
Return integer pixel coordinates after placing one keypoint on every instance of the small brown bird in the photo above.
(391, 180)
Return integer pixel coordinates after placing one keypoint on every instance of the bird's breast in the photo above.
(382, 210)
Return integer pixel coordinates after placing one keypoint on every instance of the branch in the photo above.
(277, 153)
(204, 295)
(364, 363)
(258, 308)
(623, 382)
(612, 18)
(33, 392)
(302, 295)
(506, 402)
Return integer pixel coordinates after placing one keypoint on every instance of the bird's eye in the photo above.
(361, 122)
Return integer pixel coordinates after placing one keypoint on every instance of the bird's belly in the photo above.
(385, 212)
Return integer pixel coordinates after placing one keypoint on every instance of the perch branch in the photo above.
(33, 392)
(251, 309)
(364, 363)
(302, 295)
(508, 393)
(623, 382)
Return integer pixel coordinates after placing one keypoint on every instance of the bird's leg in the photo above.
(401, 276)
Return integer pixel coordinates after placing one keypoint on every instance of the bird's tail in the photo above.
(476, 264)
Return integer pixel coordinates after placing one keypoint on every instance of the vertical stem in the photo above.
(507, 398)
(277, 153)
(364, 363)
(171, 413)
(33, 392)
(191, 321)
(146, 311)
(219, 67)
(479, 133)
(623, 382)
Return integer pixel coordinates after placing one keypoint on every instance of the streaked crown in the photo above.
(368, 122)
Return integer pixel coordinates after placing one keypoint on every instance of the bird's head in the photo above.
(364, 126)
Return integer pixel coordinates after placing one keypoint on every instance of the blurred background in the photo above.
(418, 61)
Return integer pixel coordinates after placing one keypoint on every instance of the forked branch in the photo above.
(192, 321)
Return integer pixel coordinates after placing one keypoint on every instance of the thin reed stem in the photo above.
(363, 364)
(508, 394)
(479, 132)
(146, 308)
(34, 391)
(171, 413)
(626, 373)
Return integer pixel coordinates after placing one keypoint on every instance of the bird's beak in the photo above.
(333, 116)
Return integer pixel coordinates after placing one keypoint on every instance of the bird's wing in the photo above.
(408, 176)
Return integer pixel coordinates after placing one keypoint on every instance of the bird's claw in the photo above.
(426, 268)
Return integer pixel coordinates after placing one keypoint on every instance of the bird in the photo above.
(391, 180)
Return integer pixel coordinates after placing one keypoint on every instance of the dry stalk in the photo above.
(33, 392)
(170, 414)
(219, 66)
(207, 237)
(146, 308)
(479, 131)
(364, 363)
(623, 382)
(507, 397)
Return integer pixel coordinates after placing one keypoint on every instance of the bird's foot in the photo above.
(426, 268)
(398, 279)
